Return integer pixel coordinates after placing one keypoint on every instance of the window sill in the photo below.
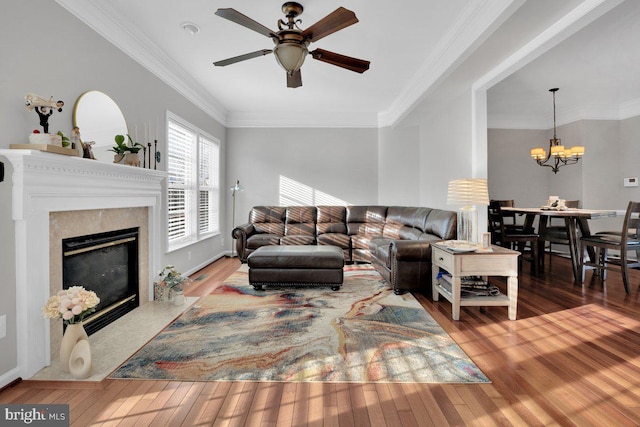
(183, 244)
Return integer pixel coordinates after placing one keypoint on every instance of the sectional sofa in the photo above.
(395, 239)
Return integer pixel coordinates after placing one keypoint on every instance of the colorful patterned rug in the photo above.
(361, 333)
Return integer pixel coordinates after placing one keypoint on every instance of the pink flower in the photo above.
(72, 305)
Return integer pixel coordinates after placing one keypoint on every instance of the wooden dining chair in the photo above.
(557, 231)
(525, 241)
(509, 219)
(628, 239)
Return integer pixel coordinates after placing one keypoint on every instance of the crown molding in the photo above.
(476, 18)
(630, 109)
(121, 32)
(293, 119)
(586, 112)
(572, 22)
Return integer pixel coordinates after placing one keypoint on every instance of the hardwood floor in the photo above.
(571, 358)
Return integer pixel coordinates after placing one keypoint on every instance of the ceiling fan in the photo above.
(292, 42)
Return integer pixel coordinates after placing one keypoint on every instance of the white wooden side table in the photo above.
(499, 262)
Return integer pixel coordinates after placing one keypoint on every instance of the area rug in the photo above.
(361, 333)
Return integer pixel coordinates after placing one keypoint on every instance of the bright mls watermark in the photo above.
(34, 415)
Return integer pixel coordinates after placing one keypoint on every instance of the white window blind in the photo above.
(208, 188)
(193, 184)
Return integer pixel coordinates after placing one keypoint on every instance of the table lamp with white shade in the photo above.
(468, 192)
(235, 189)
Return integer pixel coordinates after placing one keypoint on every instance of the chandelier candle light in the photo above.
(561, 156)
(468, 192)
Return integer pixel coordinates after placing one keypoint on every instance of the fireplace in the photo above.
(106, 263)
(54, 197)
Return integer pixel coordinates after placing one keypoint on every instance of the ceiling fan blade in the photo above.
(237, 17)
(294, 80)
(353, 64)
(335, 21)
(244, 57)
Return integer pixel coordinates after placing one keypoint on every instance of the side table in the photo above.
(500, 262)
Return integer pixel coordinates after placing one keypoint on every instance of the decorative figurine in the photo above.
(87, 153)
(76, 142)
(44, 108)
(75, 135)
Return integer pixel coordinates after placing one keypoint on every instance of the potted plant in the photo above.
(172, 282)
(126, 149)
(65, 140)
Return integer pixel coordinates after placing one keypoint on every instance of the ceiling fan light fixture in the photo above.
(290, 55)
(292, 42)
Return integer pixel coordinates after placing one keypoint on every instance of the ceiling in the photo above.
(405, 54)
(596, 69)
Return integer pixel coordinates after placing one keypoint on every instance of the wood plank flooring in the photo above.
(571, 358)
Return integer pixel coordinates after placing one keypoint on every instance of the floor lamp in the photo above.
(234, 190)
(468, 192)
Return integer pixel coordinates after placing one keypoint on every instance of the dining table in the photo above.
(575, 220)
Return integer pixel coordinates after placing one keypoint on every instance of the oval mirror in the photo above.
(99, 118)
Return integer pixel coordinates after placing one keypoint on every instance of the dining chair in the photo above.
(634, 224)
(509, 219)
(627, 239)
(525, 241)
(556, 231)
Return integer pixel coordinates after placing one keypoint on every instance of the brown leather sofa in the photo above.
(395, 239)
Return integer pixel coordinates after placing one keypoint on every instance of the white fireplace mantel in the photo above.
(46, 182)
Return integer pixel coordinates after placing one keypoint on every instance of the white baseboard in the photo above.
(9, 377)
(205, 263)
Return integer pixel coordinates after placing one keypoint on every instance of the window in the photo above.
(193, 190)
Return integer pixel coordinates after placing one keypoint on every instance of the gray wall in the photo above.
(48, 51)
(399, 165)
(420, 154)
(511, 168)
(317, 164)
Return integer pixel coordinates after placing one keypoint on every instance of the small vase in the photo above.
(132, 159)
(118, 158)
(178, 298)
(72, 335)
(80, 360)
(168, 294)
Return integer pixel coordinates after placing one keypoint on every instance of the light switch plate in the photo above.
(631, 182)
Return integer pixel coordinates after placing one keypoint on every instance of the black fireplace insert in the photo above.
(106, 263)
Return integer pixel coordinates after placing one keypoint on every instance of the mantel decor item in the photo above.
(72, 306)
(561, 156)
(126, 150)
(44, 108)
(468, 192)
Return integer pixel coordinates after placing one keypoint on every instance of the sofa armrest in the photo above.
(243, 231)
(410, 250)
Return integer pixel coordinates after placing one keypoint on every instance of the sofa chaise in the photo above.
(395, 239)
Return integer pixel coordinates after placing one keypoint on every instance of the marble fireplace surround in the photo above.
(68, 224)
(62, 190)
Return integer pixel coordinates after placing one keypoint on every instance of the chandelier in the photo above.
(557, 156)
